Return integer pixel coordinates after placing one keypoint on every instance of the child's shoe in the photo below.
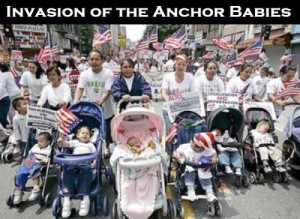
(66, 210)
(211, 197)
(84, 206)
(18, 195)
(267, 169)
(228, 170)
(35, 193)
(280, 169)
(191, 194)
(238, 171)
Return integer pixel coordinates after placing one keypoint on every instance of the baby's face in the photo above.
(84, 135)
(264, 128)
(42, 142)
(134, 142)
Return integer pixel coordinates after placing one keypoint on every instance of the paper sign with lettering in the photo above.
(16, 55)
(217, 100)
(41, 118)
(190, 101)
(268, 106)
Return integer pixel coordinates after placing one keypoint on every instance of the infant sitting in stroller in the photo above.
(262, 136)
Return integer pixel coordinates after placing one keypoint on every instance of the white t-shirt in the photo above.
(255, 74)
(95, 84)
(55, 95)
(34, 85)
(41, 154)
(261, 84)
(236, 85)
(223, 69)
(109, 65)
(82, 148)
(261, 138)
(153, 68)
(191, 155)
(12, 89)
(200, 72)
(205, 86)
(140, 67)
(232, 73)
(169, 66)
(20, 129)
(5, 83)
(129, 82)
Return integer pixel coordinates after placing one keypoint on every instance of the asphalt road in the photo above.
(270, 200)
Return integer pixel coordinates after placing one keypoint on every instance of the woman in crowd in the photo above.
(243, 85)
(210, 82)
(130, 83)
(175, 83)
(55, 94)
(33, 81)
(70, 65)
(154, 66)
(261, 81)
(276, 85)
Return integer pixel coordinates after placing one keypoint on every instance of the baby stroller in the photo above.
(45, 197)
(185, 125)
(6, 141)
(148, 126)
(90, 115)
(253, 161)
(229, 119)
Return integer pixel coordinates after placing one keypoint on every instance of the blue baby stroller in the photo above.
(90, 115)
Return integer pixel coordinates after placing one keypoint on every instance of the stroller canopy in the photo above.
(91, 115)
(230, 119)
(292, 128)
(256, 114)
(139, 122)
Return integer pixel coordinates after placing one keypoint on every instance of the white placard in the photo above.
(16, 55)
(268, 106)
(190, 101)
(41, 118)
(217, 100)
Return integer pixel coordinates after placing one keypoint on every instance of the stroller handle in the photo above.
(73, 159)
(132, 98)
(140, 162)
(233, 144)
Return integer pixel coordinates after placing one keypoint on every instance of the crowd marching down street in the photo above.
(205, 100)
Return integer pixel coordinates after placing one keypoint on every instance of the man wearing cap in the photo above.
(233, 72)
(199, 150)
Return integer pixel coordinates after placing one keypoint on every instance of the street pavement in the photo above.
(268, 201)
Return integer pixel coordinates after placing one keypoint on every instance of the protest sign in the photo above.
(268, 106)
(190, 101)
(41, 118)
(217, 100)
(16, 55)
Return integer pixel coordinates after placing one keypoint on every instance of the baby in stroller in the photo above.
(31, 167)
(265, 145)
(200, 151)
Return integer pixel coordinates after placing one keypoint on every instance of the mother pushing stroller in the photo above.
(130, 83)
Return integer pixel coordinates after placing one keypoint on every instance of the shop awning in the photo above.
(274, 39)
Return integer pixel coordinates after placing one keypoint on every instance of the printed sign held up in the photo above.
(41, 118)
(217, 100)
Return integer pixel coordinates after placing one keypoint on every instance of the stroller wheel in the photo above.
(105, 206)
(285, 177)
(48, 200)
(237, 181)
(114, 213)
(252, 178)
(218, 208)
(245, 181)
(9, 201)
(211, 209)
(93, 207)
(110, 176)
(181, 212)
(56, 208)
(277, 177)
(171, 209)
(261, 178)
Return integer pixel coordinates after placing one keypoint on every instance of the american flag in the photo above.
(177, 39)
(142, 44)
(102, 35)
(263, 56)
(29, 161)
(254, 49)
(45, 52)
(222, 44)
(153, 36)
(244, 90)
(55, 49)
(16, 74)
(158, 46)
(67, 121)
(209, 55)
(290, 89)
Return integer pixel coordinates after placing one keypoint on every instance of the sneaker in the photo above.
(267, 169)
(228, 170)
(84, 207)
(280, 169)
(192, 195)
(66, 210)
(238, 171)
(18, 194)
(35, 193)
(211, 197)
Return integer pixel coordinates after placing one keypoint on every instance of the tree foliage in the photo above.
(164, 30)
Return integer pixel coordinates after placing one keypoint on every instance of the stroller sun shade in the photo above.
(255, 115)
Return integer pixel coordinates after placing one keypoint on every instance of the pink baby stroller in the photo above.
(139, 180)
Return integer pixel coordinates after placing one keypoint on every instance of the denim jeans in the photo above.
(23, 173)
(226, 158)
(189, 180)
(77, 178)
(4, 106)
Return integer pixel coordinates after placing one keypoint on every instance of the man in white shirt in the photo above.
(233, 72)
(140, 66)
(96, 82)
(169, 66)
(109, 63)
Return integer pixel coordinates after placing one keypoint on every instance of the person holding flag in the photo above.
(280, 90)
(243, 84)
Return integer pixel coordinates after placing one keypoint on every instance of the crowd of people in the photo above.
(43, 87)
